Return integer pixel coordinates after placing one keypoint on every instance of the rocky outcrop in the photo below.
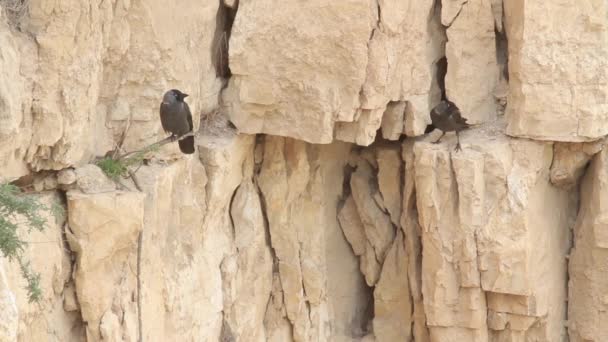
(588, 257)
(75, 78)
(325, 215)
(103, 232)
(551, 49)
(482, 213)
(368, 63)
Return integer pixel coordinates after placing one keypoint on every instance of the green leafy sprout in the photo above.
(116, 168)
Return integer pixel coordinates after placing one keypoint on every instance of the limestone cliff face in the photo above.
(328, 215)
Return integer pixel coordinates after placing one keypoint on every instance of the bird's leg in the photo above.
(458, 148)
(437, 141)
(173, 137)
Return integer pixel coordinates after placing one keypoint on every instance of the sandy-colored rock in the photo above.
(482, 211)
(188, 214)
(82, 63)
(181, 261)
(265, 97)
(91, 180)
(570, 160)
(379, 230)
(301, 186)
(9, 314)
(248, 272)
(392, 298)
(66, 177)
(589, 257)
(390, 173)
(393, 120)
(471, 50)
(371, 61)
(401, 68)
(15, 100)
(350, 299)
(363, 131)
(413, 244)
(351, 226)
(278, 328)
(70, 301)
(91, 76)
(271, 238)
(354, 231)
(554, 43)
(447, 303)
(110, 327)
(103, 232)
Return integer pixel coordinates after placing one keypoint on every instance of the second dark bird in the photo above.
(446, 117)
(175, 117)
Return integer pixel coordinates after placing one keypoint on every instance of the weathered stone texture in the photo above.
(558, 84)
(482, 213)
(305, 222)
(589, 257)
(322, 81)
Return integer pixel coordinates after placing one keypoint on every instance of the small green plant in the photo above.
(18, 210)
(116, 167)
(113, 168)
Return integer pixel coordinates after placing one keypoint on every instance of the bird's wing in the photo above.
(457, 117)
(163, 116)
(188, 116)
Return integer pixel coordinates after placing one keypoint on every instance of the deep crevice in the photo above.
(457, 14)
(220, 46)
(502, 61)
(363, 320)
(73, 266)
(226, 334)
(442, 71)
(230, 211)
(260, 142)
(441, 65)
(502, 53)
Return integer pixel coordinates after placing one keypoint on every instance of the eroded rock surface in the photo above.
(553, 43)
(589, 257)
(324, 215)
(482, 212)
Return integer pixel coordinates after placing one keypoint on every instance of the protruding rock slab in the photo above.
(589, 257)
(103, 232)
(324, 83)
(558, 69)
(482, 212)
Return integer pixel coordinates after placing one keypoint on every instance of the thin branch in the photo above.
(121, 141)
(132, 175)
(157, 144)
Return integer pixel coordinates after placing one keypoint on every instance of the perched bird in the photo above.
(446, 116)
(176, 119)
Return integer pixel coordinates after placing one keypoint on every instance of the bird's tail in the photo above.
(186, 145)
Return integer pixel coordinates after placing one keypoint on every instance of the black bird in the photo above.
(446, 116)
(176, 119)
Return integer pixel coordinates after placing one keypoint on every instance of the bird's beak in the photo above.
(185, 95)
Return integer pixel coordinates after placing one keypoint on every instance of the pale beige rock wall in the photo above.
(588, 258)
(557, 62)
(310, 224)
